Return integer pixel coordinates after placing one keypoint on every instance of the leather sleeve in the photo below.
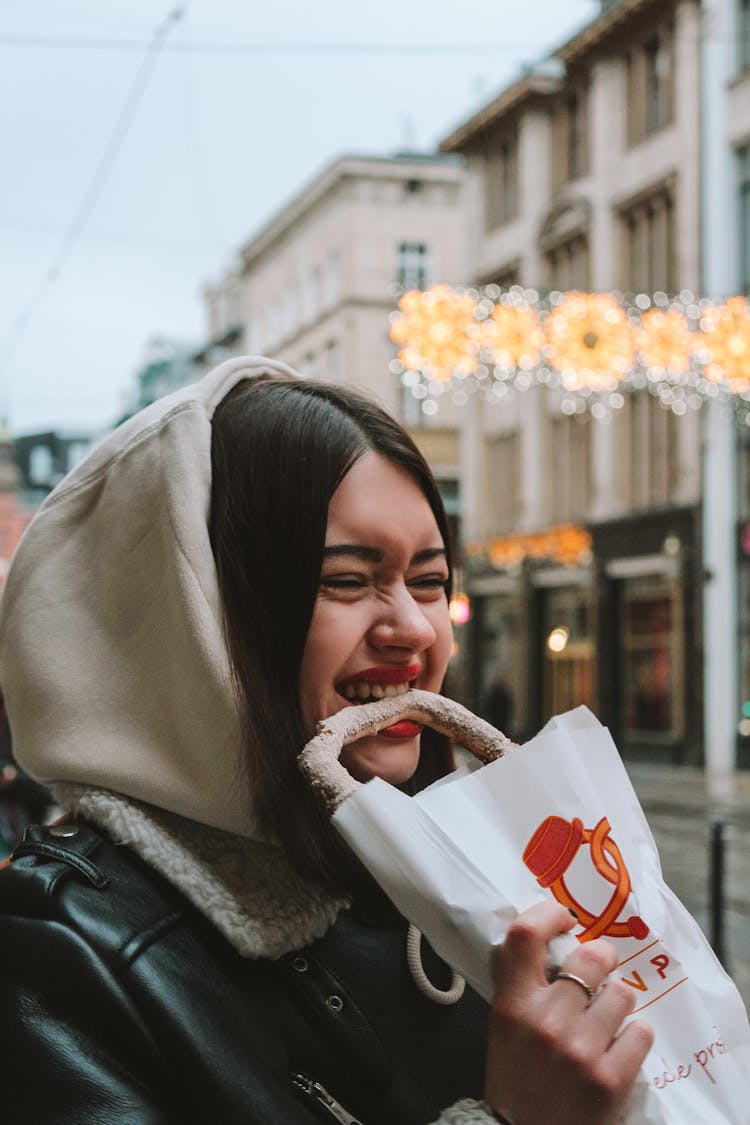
(73, 1047)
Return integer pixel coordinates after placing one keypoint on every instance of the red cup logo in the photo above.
(550, 852)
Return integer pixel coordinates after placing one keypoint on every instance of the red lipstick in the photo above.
(385, 674)
(404, 728)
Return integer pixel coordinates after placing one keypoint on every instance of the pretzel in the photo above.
(319, 761)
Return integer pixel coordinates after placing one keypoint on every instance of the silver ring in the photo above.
(590, 992)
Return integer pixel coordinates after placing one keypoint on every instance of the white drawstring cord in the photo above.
(414, 959)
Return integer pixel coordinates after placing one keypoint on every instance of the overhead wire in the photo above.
(201, 194)
(103, 43)
(102, 170)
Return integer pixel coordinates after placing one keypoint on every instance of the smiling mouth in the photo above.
(367, 692)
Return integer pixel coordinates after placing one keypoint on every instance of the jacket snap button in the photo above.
(63, 831)
(335, 1003)
(300, 964)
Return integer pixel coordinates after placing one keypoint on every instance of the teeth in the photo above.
(365, 691)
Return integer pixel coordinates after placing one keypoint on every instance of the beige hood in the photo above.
(112, 661)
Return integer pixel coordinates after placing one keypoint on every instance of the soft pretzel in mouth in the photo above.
(319, 761)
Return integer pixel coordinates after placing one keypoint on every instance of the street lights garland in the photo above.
(593, 348)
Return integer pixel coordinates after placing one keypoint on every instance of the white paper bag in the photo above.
(556, 817)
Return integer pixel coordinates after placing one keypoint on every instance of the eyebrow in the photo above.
(374, 554)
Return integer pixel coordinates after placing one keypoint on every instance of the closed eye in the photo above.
(429, 582)
(343, 582)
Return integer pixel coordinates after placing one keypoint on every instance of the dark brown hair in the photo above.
(280, 448)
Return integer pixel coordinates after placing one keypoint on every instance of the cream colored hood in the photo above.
(112, 661)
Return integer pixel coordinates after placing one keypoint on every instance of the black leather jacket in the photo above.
(120, 1002)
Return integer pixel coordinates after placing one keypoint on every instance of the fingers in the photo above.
(627, 1052)
(556, 1027)
(520, 962)
(592, 962)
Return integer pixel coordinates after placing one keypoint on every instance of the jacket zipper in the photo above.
(318, 1094)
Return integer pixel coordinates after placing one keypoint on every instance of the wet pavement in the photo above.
(681, 805)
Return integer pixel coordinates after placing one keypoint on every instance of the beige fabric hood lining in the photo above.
(112, 657)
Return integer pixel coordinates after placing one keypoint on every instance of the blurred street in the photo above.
(680, 805)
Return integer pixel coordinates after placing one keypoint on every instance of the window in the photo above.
(290, 311)
(331, 280)
(649, 244)
(743, 34)
(651, 677)
(41, 466)
(274, 322)
(743, 477)
(502, 640)
(568, 671)
(576, 135)
(311, 295)
(655, 92)
(450, 493)
(567, 264)
(647, 452)
(506, 277)
(650, 86)
(570, 139)
(413, 265)
(503, 482)
(571, 474)
(501, 183)
(743, 161)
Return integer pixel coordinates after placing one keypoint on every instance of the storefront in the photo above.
(650, 636)
(619, 632)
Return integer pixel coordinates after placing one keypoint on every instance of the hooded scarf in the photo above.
(112, 659)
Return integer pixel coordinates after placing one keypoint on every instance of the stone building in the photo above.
(587, 173)
(315, 286)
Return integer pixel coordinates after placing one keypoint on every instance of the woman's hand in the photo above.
(554, 1056)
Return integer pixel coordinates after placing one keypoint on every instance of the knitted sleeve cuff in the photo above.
(468, 1112)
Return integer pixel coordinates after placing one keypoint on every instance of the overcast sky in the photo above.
(130, 224)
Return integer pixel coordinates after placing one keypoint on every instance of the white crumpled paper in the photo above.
(451, 860)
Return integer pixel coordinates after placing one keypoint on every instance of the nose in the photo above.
(402, 624)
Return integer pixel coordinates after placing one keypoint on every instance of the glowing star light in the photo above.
(589, 341)
(663, 341)
(725, 335)
(513, 335)
(433, 331)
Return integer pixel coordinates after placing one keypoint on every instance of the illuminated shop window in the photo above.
(569, 651)
(503, 662)
(652, 674)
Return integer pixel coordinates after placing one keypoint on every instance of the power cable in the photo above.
(98, 180)
(101, 43)
(116, 237)
(201, 193)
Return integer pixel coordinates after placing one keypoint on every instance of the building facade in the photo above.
(316, 285)
(167, 365)
(586, 174)
(43, 459)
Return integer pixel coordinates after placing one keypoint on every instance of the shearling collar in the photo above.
(247, 889)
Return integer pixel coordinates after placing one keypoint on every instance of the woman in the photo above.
(193, 943)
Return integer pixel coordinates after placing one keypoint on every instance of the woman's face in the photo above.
(380, 624)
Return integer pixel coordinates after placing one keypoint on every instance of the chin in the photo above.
(393, 761)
